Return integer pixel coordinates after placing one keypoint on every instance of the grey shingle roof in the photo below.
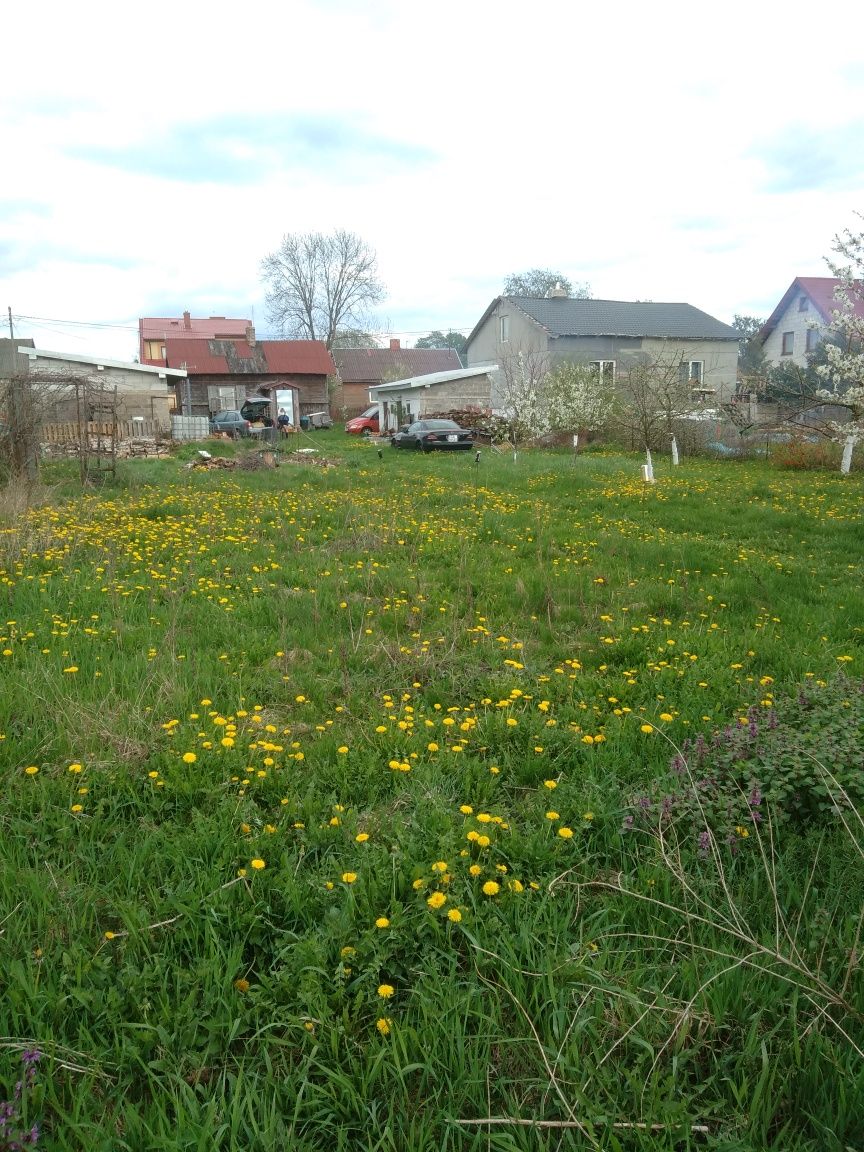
(567, 317)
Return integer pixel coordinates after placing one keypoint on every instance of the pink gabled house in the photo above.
(153, 331)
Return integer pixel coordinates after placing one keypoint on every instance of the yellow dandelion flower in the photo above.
(666, 717)
(454, 915)
(385, 991)
(189, 757)
(383, 1025)
(241, 985)
(589, 816)
(75, 768)
(491, 888)
(466, 809)
(552, 814)
(77, 808)
(436, 900)
(646, 727)
(382, 922)
(349, 877)
(439, 866)
(550, 784)
(565, 833)
(31, 770)
(342, 749)
(362, 837)
(257, 864)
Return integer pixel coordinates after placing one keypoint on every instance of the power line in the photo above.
(467, 328)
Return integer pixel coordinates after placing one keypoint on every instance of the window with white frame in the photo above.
(220, 398)
(605, 370)
(692, 372)
(788, 345)
(504, 328)
(812, 339)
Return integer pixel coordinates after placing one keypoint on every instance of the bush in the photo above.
(803, 456)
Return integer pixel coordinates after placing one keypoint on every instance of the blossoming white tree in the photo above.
(577, 399)
(844, 369)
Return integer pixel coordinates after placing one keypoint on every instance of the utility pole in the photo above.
(11, 332)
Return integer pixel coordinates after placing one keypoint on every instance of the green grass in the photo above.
(367, 650)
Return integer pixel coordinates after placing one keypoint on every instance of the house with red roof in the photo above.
(153, 331)
(363, 368)
(801, 319)
(222, 373)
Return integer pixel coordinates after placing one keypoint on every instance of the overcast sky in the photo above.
(153, 154)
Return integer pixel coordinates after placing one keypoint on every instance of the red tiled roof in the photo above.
(267, 357)
(371, 365)
(820, 289)
(160, 327)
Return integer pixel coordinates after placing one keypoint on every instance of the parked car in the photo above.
(232, 422)
(429, 435)
(366, 424)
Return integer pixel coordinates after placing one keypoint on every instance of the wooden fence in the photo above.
(71, 432)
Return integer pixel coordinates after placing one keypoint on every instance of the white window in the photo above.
(504, 328)
(812, 339)
(605, 370)
(220, 399)
(692, 372)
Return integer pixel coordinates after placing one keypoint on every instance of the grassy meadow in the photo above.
(354, 807)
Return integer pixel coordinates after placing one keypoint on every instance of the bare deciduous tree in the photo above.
(320, 284)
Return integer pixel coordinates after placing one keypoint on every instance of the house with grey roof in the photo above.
(611, 335)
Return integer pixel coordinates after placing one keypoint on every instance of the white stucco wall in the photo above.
(798, 323)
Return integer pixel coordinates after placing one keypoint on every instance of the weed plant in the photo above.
(316, 786)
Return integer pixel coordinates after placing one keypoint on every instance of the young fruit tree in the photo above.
(577, 398)
(650, 396)
(522, 399)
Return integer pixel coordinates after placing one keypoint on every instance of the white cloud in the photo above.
(664, 151)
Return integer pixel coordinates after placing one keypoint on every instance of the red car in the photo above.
(366, 424)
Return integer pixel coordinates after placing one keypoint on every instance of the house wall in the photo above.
(720, 358)
(524, 335)
(475, 392)
(139, 393)
(350, 398)
(312, 390)
(795, 321)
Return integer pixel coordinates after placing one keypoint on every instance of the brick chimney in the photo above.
(187, 321)
(250, 335)
(395, 345)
